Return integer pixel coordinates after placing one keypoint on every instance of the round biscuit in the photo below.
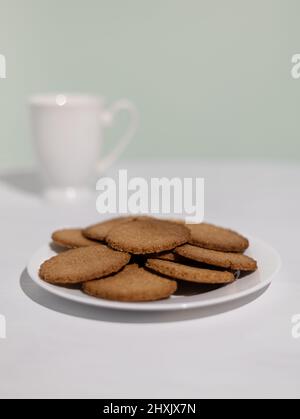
(213, 237)
(131, 284)
(228, 260)
(71, 238)
(82, 264)
(148, 235)
(189, 273)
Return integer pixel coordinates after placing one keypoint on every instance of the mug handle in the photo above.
(107, 119)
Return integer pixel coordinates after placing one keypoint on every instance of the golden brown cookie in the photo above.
(82, 264)
(213, 237)
(99, 231)
(228, 260)
(148, 235)
(71, 238)
(131, 284)
(189, 273)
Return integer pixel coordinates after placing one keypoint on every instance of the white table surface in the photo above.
(56, 348)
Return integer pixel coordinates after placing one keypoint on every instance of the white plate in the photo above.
(268, 262)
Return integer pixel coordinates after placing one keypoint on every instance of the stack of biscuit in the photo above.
(144, 258)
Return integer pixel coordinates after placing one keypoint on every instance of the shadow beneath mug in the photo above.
(25, 181)
(61, 305)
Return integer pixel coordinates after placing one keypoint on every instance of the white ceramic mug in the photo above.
(68, 132)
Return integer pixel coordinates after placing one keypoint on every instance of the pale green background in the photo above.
(210, 78)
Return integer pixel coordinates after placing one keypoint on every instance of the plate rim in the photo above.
(151, 306)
